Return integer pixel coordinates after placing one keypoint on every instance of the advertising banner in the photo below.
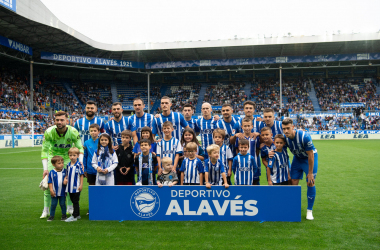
(353, 105)
(9, 4)
(311, 115)
(91, 60)
(15, 45)
(195, 203)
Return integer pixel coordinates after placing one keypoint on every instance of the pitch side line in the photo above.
(20, 152)
(21, 168)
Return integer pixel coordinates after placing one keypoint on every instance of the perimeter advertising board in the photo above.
(196, 203)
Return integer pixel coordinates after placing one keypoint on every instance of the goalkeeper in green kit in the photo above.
(58, 140)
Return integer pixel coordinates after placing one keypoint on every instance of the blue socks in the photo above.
(311, 192)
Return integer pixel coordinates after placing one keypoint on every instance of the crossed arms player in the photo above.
(58, 140)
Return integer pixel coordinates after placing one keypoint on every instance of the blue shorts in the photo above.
(299, 166)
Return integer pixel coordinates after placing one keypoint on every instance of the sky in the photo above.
(144, 21)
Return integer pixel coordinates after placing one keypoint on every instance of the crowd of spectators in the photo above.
(331, 93)
(86, 91)
(231, 93)
(181, 95)
(267, 95)
(333, 122)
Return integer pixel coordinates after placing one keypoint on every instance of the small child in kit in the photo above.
(167, 177)
(75, 182)
(57, 186)
(105, 161)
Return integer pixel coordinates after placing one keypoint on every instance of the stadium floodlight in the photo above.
(16, 133)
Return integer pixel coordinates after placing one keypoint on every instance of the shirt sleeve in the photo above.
(129, 123)
(307, 142)
(80, 170)
(222, 168)
(237, 143)
(101, 125)
(158, 153)
(115, 162)
(76, 125)
(85, 156)
(155, 128)
(229, 154)
(107, 128)
(46, 144)
(183, 166)
(136, 162)
(234, 164)
(206, 165)
(201, 151)
(77, 140)
(179, 149)
(94, 161)
(50, 180)
(200, 167)
(135, 148)
(236, 128)
(175, 177)
(184, 123)
(271, 162)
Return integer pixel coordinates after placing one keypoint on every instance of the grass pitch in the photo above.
(346, 212)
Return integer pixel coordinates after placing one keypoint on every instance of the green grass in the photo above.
(346, 211)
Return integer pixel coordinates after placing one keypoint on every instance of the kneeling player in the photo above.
(305, 160)
(278, 165)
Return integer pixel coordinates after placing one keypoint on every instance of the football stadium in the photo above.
(153, 130)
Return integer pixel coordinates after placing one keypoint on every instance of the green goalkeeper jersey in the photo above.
(55, 144)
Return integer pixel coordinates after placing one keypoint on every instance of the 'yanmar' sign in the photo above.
(16, 45)
(184, 203)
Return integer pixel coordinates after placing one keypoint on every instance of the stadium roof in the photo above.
(36, 26)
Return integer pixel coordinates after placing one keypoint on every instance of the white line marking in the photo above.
(21, 168)
(20, 152)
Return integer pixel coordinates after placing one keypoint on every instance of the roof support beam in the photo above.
(313, 48)
(282, 50)
(224, 53)
(169, 55)
(196, 53)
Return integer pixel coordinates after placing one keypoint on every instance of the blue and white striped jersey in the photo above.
(245, 169)
(300, 144)
(266, 149)
(206, 127)
(276, 129)
(73, 175)
(83, 127)
(279, 167)
(225, 156)
(257, 126)
(191, 169)
(192, 124)
(176, 118)
(139, 122)
(229, 129)
(254, 147)
(114, 129)
(169, 148)
(56, 179)
(214, 172)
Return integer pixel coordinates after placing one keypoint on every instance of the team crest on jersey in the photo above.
(133, 124)
(145, 202)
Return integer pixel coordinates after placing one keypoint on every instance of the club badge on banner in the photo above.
(185, 203)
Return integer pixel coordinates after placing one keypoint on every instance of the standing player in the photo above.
(206, 125)
(249, 110)
(227, 123)
(275, 126)
(58, 140)
(175, 118)
(187, 112)
(305, 160)
(140, 119)
(83, 124)
(118, 125)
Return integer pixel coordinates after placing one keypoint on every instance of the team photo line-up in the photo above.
(163, 150)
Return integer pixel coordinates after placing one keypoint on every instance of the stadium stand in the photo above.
(333, 92)
(184, 93)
